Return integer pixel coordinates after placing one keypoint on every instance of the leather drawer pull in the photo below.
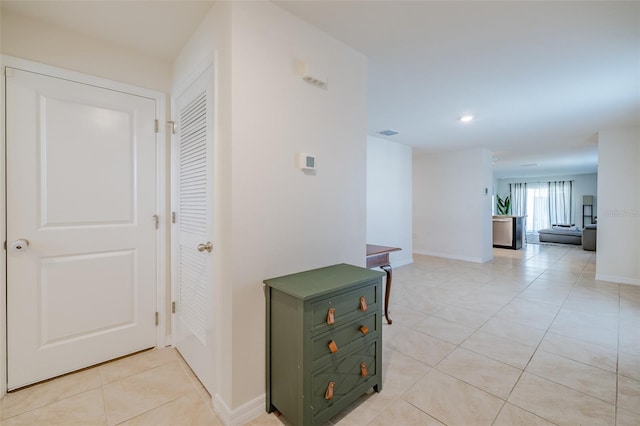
(333, 347)
(331, 319)
(363, 304)
(363, 369)
(364, 329)
(329, 393)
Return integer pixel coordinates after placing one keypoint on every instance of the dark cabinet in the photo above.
(587, 215)
(508, 231)
(324, 341)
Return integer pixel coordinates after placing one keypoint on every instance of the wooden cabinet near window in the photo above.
(324, 341)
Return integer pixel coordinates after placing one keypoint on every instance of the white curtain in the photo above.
(518, 193)
(543, 203)
(537, 206)
(561, 202)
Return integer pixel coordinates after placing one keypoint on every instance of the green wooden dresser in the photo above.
(324, 341)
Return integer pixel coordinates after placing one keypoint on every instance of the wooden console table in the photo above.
(378, 257)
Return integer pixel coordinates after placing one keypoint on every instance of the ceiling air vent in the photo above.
(388, 132)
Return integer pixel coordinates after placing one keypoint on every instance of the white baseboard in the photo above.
(453, 256)
(221, 409)
(241, 415)
(616, 279)
(402, 262)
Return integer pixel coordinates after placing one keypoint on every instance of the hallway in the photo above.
(529, 338)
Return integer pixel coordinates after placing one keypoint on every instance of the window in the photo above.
(544, 203)
(537, 207)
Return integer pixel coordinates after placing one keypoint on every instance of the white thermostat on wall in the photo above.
(307, 162)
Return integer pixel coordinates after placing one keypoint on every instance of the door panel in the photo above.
(89, 192)
(81, 189)
(65, 275)
(193, 154)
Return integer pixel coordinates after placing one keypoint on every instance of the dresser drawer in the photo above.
(343, 376)
(300, 363)
(346, 307)
(343, 339)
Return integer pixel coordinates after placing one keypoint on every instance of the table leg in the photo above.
(387, 294)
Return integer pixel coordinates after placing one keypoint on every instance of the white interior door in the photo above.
(193, 230)
(81, 233)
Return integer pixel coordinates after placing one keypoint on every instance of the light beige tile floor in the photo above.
(150, 388)
(530, 338)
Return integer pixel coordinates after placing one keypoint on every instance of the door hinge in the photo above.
(173, 307)
(157, 318)
(157, 126)
(173, 217)
(172, 125)
(5, 244)
(157, 220)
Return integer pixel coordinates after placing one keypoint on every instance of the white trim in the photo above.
(161, 197)
(3, 238)
(617, 279)
(38, 68)
(453, 256)
(173, 190)
(163, 211)
(221, 409)
(241, 415)
(402, 262)
(182, 84)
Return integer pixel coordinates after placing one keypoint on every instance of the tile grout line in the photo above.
(574, 285)
(560, 384)
(537, 347)
(504, 401)
(459, 345)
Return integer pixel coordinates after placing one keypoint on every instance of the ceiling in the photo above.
(541, 78)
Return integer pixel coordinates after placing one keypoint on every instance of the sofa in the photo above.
(589, 237)
(564, 234)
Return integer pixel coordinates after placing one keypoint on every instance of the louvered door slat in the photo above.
(193, 214)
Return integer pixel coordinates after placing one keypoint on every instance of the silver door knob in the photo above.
(207, 246)
(20, 245)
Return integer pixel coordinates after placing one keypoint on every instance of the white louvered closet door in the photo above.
(194, 244)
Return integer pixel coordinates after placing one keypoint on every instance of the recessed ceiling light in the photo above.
(466, 118)
(388, 132)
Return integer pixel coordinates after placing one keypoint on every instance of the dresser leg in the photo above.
(387, 294)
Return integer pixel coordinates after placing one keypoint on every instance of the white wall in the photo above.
(40, 42)
(389, 198)
(586, 184)
(451, 211)
(284, 220)
(618, 243)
